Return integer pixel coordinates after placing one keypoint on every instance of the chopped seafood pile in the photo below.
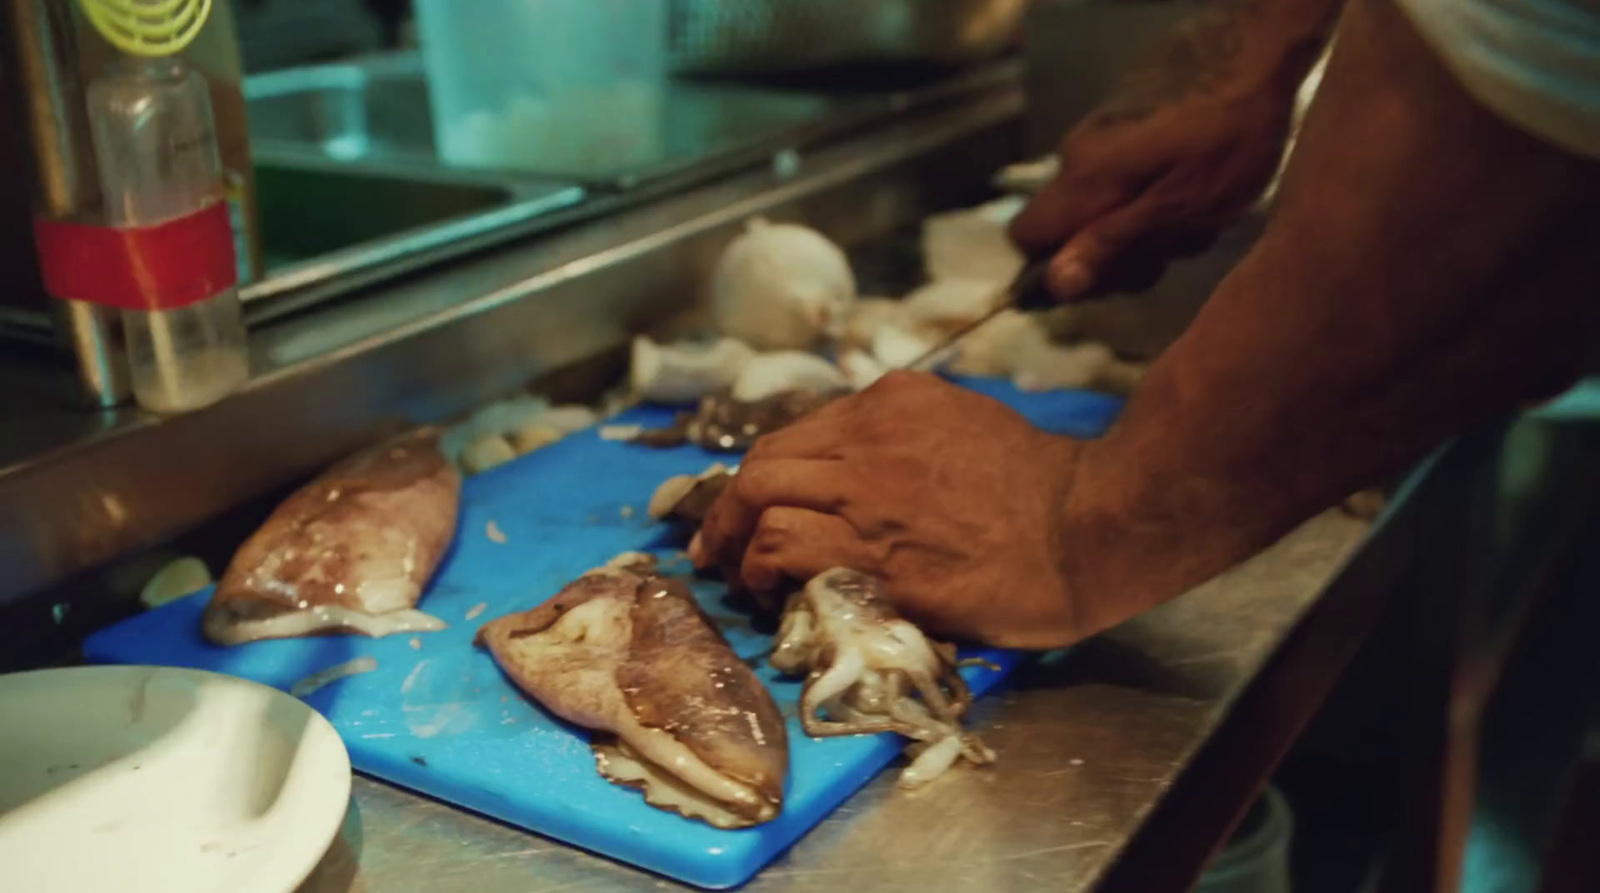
(687, 497)
(868, 671)
(630, 656)
(349, 552)
(501, 431)
(724, 424)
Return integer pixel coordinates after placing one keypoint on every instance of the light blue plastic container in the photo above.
(571, 87)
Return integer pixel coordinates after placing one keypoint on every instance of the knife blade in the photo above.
(1026, 292)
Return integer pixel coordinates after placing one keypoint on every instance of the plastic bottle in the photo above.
(162, 181)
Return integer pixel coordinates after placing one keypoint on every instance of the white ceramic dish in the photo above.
(136, 779)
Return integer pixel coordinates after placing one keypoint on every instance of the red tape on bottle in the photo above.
(163, 267)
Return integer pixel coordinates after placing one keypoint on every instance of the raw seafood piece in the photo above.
(993, 348)
(687, 497)
(681, 373)
(1019, 346)
(631, 655)
(176, 579)
(869, 315)
(781, 371)
(897, 348)
(972, 243)
(862, 368)
(868, 670)
(1050, 367)
(725, 424)
(501, 431)
(946, 306)
(486, 452)
(349, 552)
(1027, 177)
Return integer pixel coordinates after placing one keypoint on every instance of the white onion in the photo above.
(781, 286)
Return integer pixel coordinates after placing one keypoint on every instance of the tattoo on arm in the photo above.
(1195, 60)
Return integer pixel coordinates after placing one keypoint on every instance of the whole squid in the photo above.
(351, 551)
(630, 656)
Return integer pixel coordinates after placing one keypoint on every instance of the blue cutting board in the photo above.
(438, 717)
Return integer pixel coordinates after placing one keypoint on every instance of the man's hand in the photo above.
(950, 498)
(1180, 150)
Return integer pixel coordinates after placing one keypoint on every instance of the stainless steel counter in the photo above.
(1090, 740)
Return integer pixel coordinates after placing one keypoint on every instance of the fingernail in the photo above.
(1069, 277)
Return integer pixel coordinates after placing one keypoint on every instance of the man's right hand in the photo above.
(1180, 150)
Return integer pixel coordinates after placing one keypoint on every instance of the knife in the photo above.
(1026, 292)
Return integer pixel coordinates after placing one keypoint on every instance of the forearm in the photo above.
(1228, 47)
(1425, 268)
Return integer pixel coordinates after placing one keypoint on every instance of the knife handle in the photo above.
(1029, 291)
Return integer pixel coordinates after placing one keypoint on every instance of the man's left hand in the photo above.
(950, 498)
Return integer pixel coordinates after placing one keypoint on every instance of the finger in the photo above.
(817, 484)
(1063, 207)
(1077, 267)
(797, 544)
(816, 435)
(761, 484)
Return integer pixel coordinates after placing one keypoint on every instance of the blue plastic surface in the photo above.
(438, 717)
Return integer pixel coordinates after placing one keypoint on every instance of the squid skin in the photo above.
(869, 671)
(630, 655)
(352, 551)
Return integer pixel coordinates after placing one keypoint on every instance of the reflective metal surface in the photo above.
(377, 110)
(364, 129)
(42, 66)
(76, 491)
(329, 227)
(1088, 742)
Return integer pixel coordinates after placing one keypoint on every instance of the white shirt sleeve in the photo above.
(1535, 63)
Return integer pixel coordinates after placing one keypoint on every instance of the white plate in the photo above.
(135, 779)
